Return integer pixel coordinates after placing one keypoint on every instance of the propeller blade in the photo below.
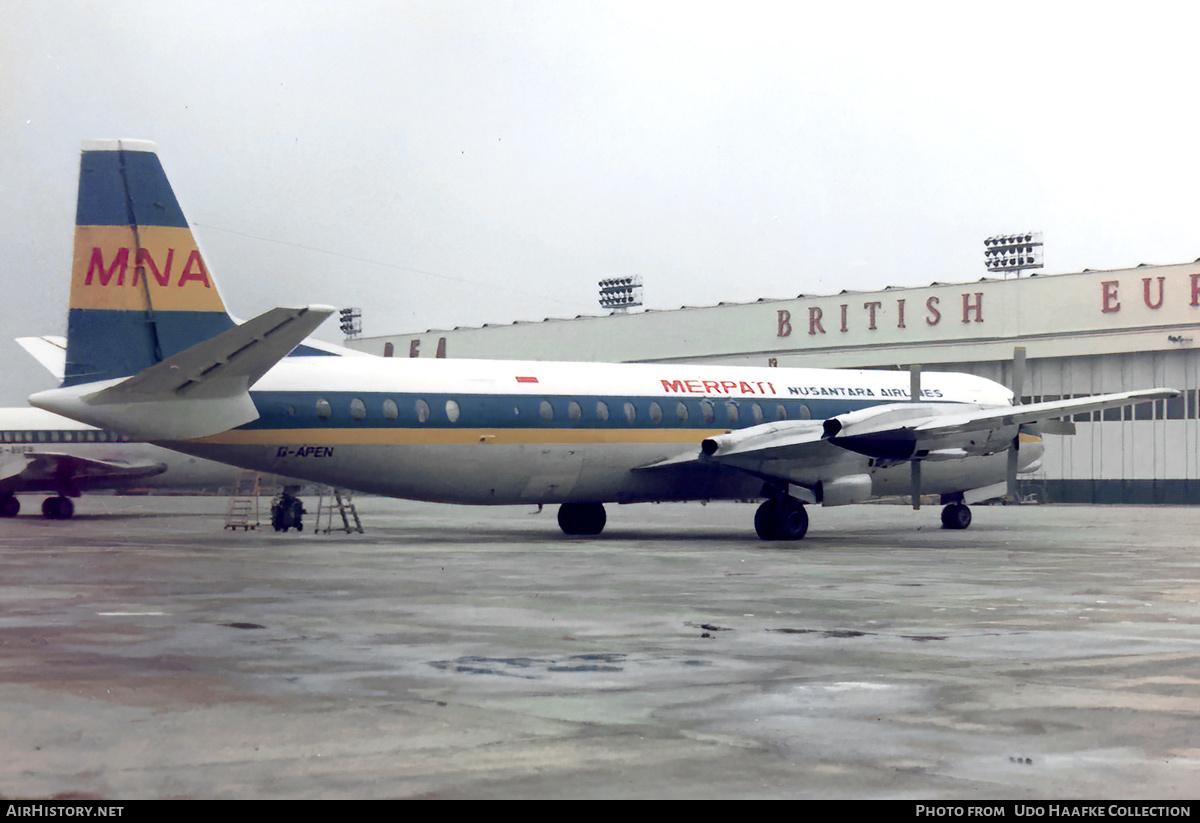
(914, 396)
(1018, 390)
(1013, 459)
(1018, 374)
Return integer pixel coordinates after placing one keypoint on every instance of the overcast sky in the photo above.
(461, 162)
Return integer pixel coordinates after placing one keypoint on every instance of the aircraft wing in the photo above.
(56, 471)
(894, 431)
(1039, 412)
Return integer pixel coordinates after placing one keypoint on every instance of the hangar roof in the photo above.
(1145, 308)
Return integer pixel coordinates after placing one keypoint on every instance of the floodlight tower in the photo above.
(350, 322)
(1013, 252)
(621, 293)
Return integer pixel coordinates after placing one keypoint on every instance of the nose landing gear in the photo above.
(287, 512)
(956, 516)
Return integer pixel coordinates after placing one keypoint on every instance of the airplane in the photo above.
(153, 353)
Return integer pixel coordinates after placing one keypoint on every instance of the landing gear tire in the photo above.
(287, 513)
(57, 508)
(582, 519)
(783, 519)
(956, 516)
(10, 506)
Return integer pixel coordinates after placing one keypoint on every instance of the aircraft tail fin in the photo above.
(140, 290)
(151, 350)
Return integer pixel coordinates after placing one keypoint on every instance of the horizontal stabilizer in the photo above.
(227, 364)
(201, 391)
(50, 351)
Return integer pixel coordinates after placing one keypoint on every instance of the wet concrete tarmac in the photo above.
(1048, 652)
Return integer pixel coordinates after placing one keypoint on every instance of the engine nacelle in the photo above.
(895, 432)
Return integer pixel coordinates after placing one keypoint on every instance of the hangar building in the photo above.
(1084, 333)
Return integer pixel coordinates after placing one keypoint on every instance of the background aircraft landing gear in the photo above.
(10, 506)
(956, 516)
(582, 518)
(58, 508)
(781, 518)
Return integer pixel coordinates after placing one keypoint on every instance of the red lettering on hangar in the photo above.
(751, 387)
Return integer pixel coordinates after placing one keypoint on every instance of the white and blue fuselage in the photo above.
(503, 432)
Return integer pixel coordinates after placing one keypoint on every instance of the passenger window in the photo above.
(731, 411)
(756, 414)
(805, 412)
(601, 410)
(574, 412)
(630, 412)
(422, 409)
(780, 412)
(681, 412)
(358, 409)
(452, 411)
(546, 410)
(707, 414)
(656, 414)
(324, 410)
(390, 410)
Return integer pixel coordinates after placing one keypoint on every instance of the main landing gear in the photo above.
(58, 508)
(781, 517)
(53, 508)
(582, 519)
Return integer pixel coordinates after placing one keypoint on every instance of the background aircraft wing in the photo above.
(55, 471)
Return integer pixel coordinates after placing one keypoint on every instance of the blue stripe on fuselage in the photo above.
(299, 410)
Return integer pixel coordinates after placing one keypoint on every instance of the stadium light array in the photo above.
(1013, 252)
(350, 321)
(621, 293)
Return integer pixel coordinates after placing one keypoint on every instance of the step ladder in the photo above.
(242, 512)
(340, 502)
